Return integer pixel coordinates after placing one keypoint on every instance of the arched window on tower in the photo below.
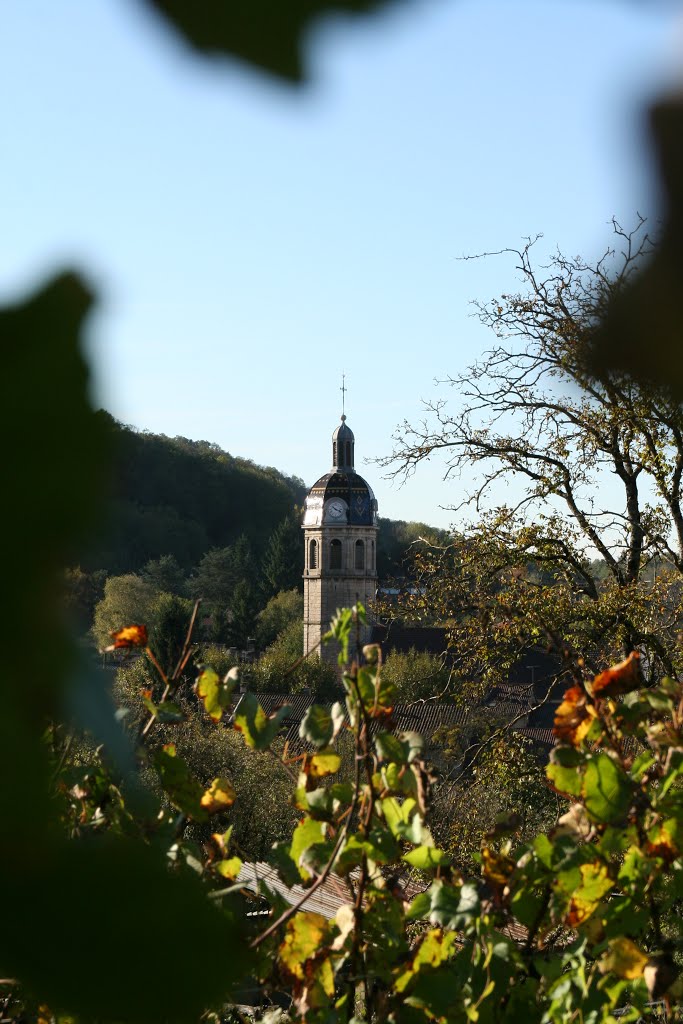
(372, 556)
(347, 457)
(359, 562)
(313, 555)
(334, 454)
(335, 554)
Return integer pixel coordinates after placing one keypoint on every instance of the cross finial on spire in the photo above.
(343, 390)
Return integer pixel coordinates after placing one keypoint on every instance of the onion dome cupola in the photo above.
(341, 496)
(342, 447)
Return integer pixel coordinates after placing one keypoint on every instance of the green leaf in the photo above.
(426, 858)
(565, 780)
(607, 790)
(642, 763)
(150, 705)
(180, 786)
(114, 878)
(169, 712)
(315, 857)
(380, 846)
(658, 699)
(415, 743)
(399, 779)
(526, 905)
(405, 821)
(376, 691)
(435, 948)
(320, 804)
(543, 848)
(390, 748)
(316, 726)
(674, 768)
(258, 730)
(384, 933)
(280, 858)
(325, 803)
(420, 908)
(435, 993)
(341, 792)
(307, 833)
(215, 692)
(342, 626)
(453, 906)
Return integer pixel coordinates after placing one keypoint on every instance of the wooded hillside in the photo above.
(181, 497)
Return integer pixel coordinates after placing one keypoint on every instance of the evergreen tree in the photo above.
(281, 566)
(165, 574)
(170, 620)
(242, 614)
(219, 572)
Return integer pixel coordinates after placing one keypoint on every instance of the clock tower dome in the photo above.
(340, 541)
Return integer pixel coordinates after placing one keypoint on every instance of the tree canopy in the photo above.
(578, 481)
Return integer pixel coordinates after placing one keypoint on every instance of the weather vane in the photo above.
(343, 390)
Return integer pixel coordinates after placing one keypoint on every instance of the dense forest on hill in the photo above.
(181, 497)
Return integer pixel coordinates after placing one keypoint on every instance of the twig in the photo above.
(182, 662)
(187, 646)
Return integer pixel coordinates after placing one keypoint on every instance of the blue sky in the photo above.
(250, 241)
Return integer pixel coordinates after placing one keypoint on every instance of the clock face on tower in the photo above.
(335, 511)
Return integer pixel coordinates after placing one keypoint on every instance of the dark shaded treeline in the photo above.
(181, 497)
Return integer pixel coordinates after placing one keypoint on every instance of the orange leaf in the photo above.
(574, 716)
(621, 678)
(129, 636)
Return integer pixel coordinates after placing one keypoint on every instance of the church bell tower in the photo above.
(340, 540)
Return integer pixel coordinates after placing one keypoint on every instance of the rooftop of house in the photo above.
(425, 716)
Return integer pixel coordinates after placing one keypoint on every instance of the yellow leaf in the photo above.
(623, 959)
(303, 938)
(327, 762)
(219, 796)
(229, 868)
(595, 883)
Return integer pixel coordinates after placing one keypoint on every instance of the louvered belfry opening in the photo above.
(335, 554)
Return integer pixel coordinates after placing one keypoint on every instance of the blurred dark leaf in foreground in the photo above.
(52, 484)
(105, 927)
(643, 330)
(267, 33)
(70, 909)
